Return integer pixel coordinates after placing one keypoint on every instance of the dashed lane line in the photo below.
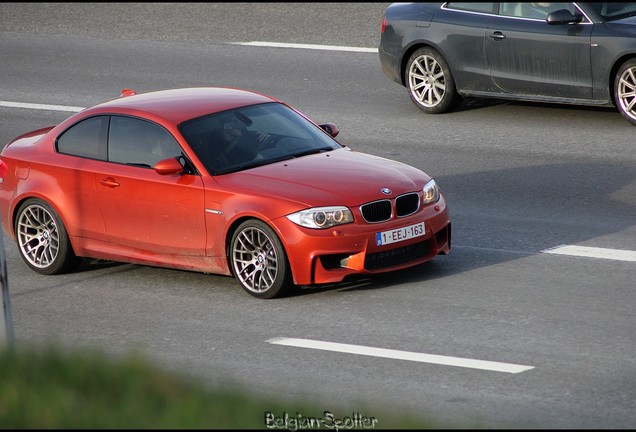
(401, 355)
(593, 252)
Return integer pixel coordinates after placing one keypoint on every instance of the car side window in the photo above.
(473, 7)
(84, 139)
(138, 142)
(533, 10)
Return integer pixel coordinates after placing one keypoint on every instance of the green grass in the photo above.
(51, 389)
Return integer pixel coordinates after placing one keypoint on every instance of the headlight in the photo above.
(321, 217)
(431, 193)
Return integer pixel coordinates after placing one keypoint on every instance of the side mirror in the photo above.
(563, 16)
(168, 166)
(331, 129)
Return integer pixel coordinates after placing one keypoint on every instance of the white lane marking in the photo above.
(40, 106)
(401, 355)
(307, 46)
(593, 252)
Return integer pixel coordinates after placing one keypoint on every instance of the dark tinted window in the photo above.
(138, 142)
(290, 135)
(84, 139)
(473, 7)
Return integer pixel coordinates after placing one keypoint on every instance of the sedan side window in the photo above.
(138, 142)
(84, 139)
(473, 7)
(533, 10)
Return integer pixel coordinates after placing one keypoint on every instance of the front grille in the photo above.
(397, 256)
(407, 204)
(382, 210)
(377, 211)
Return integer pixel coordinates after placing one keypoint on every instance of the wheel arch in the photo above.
(33, 195)
(407, 55)
(234, 226)
(612, 75)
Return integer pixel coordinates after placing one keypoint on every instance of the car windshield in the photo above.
(613, 11)
(252, 136)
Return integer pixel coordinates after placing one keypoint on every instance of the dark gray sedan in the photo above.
(573, 53)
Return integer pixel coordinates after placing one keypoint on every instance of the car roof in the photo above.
(178, 105)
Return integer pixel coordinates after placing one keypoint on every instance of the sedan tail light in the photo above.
(383, 25)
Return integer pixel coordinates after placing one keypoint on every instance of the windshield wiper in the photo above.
(311, 151)
(254, 164)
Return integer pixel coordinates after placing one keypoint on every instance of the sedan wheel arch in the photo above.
(429, 81)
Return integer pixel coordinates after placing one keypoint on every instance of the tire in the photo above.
(42, 239)
(258, 260)
(625, 90)
(430, 83)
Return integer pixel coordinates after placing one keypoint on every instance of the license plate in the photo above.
(400, 234)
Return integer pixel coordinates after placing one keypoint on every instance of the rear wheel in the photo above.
(625, 90)
(430, 82)
(259, 261)
(42, 239)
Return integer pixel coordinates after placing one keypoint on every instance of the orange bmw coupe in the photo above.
(216, 180)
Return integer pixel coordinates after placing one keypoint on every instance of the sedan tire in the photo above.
(42, 239)
(430, 82)
(625, 90)
(259, 261)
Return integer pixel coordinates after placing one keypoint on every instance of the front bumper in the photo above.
(328, 256)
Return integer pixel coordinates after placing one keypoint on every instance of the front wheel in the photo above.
(259, 261)
(625, 90)
(42, 239)
(430, 82)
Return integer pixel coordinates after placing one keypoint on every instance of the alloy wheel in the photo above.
(426, 81)
(255, 260)
(38, 236)
(626, 92)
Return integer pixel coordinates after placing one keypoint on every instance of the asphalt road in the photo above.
(520, 179)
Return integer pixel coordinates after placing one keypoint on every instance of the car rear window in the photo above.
(83, 138)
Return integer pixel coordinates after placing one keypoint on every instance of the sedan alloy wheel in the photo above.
(625, 90)
(430, 83)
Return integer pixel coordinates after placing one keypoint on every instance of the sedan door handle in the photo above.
(110, 182)
(497, 36)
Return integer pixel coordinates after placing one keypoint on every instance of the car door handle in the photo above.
(110, 182)
(497, 36)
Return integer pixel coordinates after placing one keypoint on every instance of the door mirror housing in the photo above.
(563, 16)
(331, 129)
(168, 166)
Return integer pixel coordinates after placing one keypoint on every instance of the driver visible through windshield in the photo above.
(251, 136)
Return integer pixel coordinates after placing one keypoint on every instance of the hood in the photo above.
(339, 177)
